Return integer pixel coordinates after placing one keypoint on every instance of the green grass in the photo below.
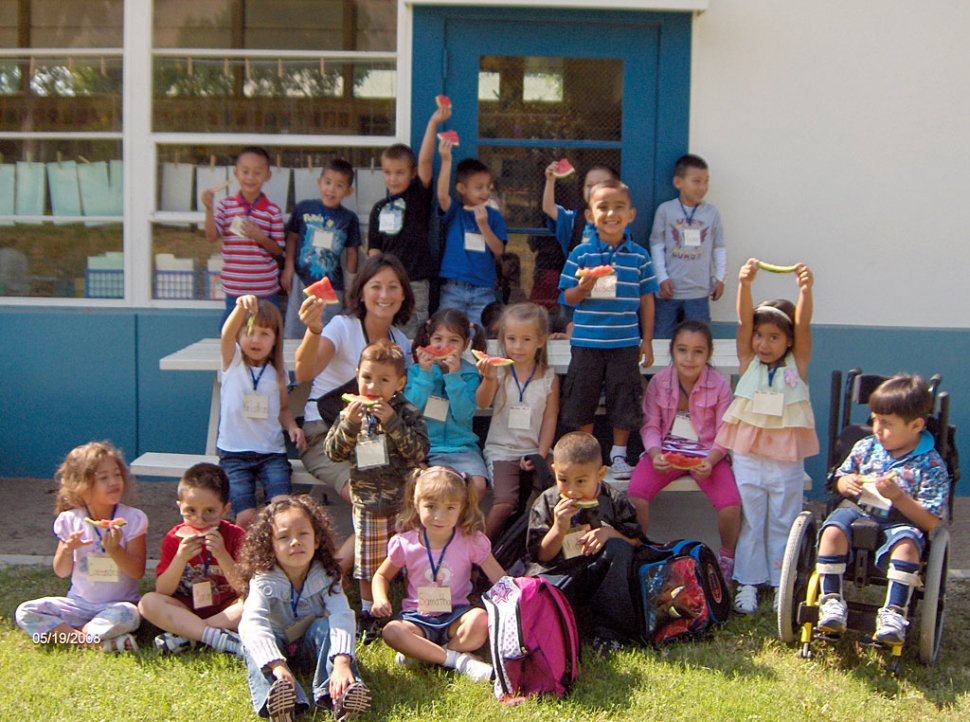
(742, 673)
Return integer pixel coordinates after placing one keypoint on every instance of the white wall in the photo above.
(838, 134)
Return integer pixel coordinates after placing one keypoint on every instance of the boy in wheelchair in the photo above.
(898, 464)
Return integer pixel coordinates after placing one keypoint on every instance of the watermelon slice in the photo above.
(450, 135)
(493, 360)
(595, 271)
(583, 503)
(364, 399)
(189, 531)
(438, 352)
(322, 290)
(563, 169)
(106, 523)
(443, 101)
(682, 461)
(771, 267)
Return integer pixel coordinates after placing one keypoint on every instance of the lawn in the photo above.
(742, 673)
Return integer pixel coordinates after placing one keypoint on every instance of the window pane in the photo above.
(268, 24)
(274, 96)
(60, 24)
(575, 98)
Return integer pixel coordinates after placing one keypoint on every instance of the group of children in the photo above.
(417, 473)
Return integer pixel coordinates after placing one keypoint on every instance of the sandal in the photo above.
(281, 701)
(354, 701)
(121, 643)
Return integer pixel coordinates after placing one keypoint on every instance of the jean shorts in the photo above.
(435, 627)
(890, 533)
(245, 468)
(464, 462)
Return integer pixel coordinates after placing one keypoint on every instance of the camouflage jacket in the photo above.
(379, 490)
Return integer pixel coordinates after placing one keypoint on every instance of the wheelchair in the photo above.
(800, 589)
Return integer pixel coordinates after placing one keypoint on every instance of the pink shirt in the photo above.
(708, 401)
(408, 550)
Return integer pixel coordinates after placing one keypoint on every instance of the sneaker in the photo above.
(173, 643)
(122, 643)
(281, 701)
(367, 629)
(402, 660)
(604, 646)
(354, 701)
(833, 613)
(474, 668)
(230, 643)
(621, 469)
(726, 565)
(746, 599)
(891, 625)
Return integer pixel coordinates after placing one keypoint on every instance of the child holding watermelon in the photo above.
(101, 546)
(682, 413)
(319, 230)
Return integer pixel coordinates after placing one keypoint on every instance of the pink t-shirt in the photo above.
(407, 550)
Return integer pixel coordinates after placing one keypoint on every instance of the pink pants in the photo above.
(720, 487)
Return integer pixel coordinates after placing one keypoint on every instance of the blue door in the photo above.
(531, 86)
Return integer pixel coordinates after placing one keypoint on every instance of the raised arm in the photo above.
(802, 348)
(315, 352)
(246, 306)
(745, 314)
(549, 206)
(444, 175)
(426, 153)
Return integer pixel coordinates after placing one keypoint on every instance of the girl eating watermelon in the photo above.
(682, 413)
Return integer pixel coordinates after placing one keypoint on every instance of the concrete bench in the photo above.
(683, 483)
(172, 466)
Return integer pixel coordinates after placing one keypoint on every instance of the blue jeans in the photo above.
(466, 297)
(668, 312)
(245, 468)
(890, 533)
(312, 651)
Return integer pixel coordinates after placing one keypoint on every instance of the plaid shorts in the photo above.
(370, 546)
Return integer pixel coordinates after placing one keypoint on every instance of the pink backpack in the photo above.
(532, 636)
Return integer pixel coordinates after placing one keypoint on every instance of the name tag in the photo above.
(323, 239)
(570, 542)
(372, 452)
(436, 408)
(255, 406)
(295, 631)
(605, 287)
(434, 600)
(390, 220)
(201, 594)
(691, 237)
(474, 242)
(520, 416)
(237, 225)
(768, 403)
(102, 569)
(683, 427)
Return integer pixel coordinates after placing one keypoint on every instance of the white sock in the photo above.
(451, 658)
(617, 451)
(366, 605)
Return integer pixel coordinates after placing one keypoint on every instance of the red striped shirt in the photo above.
(247, 267)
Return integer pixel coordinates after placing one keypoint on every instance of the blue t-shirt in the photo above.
(337, 227)
(474, 267)
(610, 322)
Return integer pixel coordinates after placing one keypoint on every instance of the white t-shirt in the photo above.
(260, 432)
(507, 444)
(346, 333)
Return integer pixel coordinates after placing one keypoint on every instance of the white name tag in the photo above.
(434, 600)
(605, 287)
(237, 225)
(201, 594)
(436, 408)
(390, 220)
(102, 569)
(474, 242)
(323, 239)
(768, 403)
(691, 237)
(520, 416)
(372, 452)
(683, 427)
(570, 542)
(255, 406)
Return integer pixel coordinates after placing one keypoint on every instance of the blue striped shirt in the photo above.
(610, 322)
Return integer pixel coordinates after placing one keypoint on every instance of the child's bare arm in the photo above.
(646, 325)
(549, 206)
(380, 585)
(907, 505)
(289, 263)
(802, 348)
(493, 570)
(547, 431)
(426, 153)
(211, 232)
(246, 306)
(64, 556)
(493, 242)
(746, 313)
(444, 176)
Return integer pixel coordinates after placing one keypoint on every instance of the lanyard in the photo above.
(771, 371)
(295, 597)
(256, 378)
(96, 530)
(683, 390)
(427, 547)
(690, 217)
(520, 386)
(250, 206)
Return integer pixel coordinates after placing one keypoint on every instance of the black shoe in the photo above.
(354, 701)
(604, 646)
(367, 628)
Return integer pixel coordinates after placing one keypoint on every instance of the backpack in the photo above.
(681, 590)
(532, 637)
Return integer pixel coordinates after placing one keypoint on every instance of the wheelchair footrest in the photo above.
(807, 613)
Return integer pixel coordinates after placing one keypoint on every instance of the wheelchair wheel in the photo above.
(934, 596)
(796, 569)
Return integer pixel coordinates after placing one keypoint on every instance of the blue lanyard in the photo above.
(249, 206)
(771, 371)
(256, 378)
(295, 597)
(427, 546)
(683, 390)
(690, 218)
(518, 385)
(96, 529)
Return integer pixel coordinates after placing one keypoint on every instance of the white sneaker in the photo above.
(402, 660)
(621, 469)
(172, 643)
(746, 599)
(473, 668)
(891, 625)
(833, 614)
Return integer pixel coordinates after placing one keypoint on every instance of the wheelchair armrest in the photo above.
(865, 534)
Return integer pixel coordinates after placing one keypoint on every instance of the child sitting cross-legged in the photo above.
(194, 599)
(900, 462)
